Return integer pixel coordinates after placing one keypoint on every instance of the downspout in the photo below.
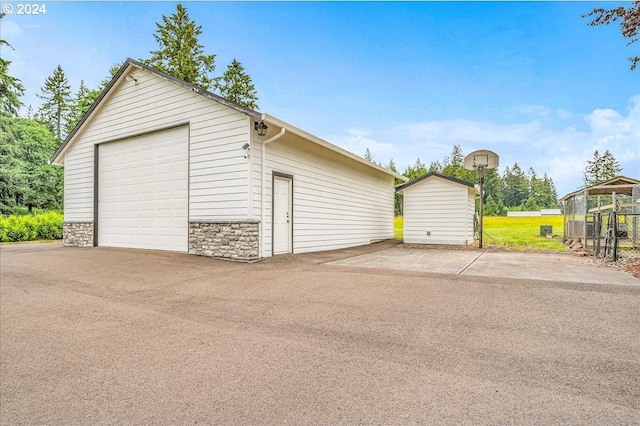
(262, 195)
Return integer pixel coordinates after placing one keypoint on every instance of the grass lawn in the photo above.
(515, 233)
(523, 233)
(397, 227)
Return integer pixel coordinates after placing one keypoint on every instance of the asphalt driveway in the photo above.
(115, 336)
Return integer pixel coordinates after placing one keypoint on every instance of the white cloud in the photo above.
(559, 148)
(358, 141)
(11, 30)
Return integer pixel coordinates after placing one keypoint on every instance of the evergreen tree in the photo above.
(493, 186)
(392, 166)
(26, 178)
(236, 86)
(454, 166)
(415, 171)
(113, 70)
(179, 52)
(610, 166)
(81, 104)
(548, 197)
(367, 155)
(436, 167)
(592, 172)
(601, 168)
(398, 197)
(11, 88)
(493, 208)
(516, 186)
(57, 107)
(535, 184)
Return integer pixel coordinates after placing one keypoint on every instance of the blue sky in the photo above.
(528, 80)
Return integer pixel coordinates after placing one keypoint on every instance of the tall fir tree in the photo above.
(236, 85)
(367, 155)
(548, 197)
(11, 88)
(179, 52)
(454, 166)
(113, 70)
(415, 171)
(610, 166)
(601, 168)
(81, 103)
(435, 166)
(516, 186)
(57, 107)
(493, 186)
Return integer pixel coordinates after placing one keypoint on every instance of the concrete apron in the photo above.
(536, 266)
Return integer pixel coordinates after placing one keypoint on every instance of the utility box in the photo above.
(545, 229)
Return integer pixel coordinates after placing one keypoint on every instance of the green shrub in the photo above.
(46, 226)
(3, 230)
(20, 228)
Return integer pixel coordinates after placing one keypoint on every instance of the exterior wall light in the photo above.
(261, 128)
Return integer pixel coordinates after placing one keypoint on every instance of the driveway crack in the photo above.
(471, 263)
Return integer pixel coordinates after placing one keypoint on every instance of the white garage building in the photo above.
(438, 209)
(157, 163)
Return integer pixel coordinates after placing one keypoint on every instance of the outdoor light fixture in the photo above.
(261, 128)
(132, 78)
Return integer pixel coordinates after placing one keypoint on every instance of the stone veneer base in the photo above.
(228, 240)
(77, 234)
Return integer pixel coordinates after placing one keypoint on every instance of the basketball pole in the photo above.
(480, 172)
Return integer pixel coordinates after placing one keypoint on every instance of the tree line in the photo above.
(27, 181)
(27, 142)
(513, 190)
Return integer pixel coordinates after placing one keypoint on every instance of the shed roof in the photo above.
(434, 174)
(131, 63)
(618, 184)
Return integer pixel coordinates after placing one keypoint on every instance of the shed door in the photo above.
(281, 215)
(143, 192)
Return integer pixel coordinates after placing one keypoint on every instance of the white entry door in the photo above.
(282, 215)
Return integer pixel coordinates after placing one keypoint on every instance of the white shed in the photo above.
(438, 209)
(157, 163)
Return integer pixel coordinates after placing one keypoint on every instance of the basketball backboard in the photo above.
(481, 159)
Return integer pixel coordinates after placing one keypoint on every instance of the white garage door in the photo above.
(143, 192)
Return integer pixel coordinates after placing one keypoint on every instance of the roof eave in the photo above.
(406, 185)
(321, 142)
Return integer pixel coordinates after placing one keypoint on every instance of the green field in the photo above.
(515, 233)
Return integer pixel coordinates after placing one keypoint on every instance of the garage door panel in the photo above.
(143, 192)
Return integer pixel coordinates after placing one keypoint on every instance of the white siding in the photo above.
(471, 213)
(439, 207)
(337, 203)
(218, 172)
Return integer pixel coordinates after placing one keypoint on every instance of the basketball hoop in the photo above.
(480, 161)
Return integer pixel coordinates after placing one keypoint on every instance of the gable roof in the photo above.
(131, 63)
(120, 75)
(618, 184)
(434, 174)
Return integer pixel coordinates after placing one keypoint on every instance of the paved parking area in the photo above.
(111, 336)
(539, 266)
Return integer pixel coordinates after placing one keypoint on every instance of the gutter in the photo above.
(263, 184)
